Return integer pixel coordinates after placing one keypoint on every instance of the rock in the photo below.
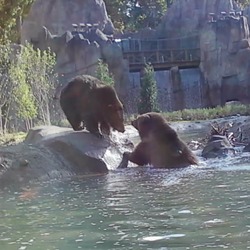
(37, 134)
(223, 42)
(247, 148)
(52, 152)
(224, 60)
(217, 146)
(75, 54)
(58, 16)
(187, 17)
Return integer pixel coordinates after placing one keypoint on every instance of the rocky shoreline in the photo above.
(55, 152)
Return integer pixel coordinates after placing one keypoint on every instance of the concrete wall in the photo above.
(191, 88)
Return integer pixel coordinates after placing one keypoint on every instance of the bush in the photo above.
(208, 113)
(148, 95)
(102, 73)
(27, 81)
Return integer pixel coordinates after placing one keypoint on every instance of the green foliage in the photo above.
(243, 3)
(148, 95)
(208, 113)
(130, 15)
(23, 96)
(33, 71)
(6, 87)
(30, 80)
(11, 13)
(102, 73)
(117, 11)
(12, 139)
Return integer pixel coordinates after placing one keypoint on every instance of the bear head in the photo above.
(112, 108)
(153, 127)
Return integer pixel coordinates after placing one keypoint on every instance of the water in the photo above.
(137, 208)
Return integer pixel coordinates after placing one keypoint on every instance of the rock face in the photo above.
(224, 46)
(188, 17)
(225, 54)
(59, 15)
(53, 152)
(49, 24)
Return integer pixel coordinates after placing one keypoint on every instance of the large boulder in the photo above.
(54, 152)
(217, 146)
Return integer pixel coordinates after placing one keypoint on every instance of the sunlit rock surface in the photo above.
(52, 152)
(59, 15)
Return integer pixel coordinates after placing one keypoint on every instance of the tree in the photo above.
(102, 73)
(143, 14)
(6, 86)
(131, 15)
(117, 11)
(27, 79)
(148, 95)
(11, 13)
(33, 73)
(243, 3)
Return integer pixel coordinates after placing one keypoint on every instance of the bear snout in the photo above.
(134, 124)
(120, 128)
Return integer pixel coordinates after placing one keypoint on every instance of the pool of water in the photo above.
(205, 207)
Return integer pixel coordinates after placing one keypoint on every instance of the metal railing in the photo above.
(163, 56)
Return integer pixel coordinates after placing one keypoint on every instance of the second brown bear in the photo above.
(160, 145)
(87, 102)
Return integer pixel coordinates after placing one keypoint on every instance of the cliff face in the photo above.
(59, 15)
(188, 16)
(225, 56)
(224, 45)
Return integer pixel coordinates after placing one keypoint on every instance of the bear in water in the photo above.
(159, 146)
(88, 102)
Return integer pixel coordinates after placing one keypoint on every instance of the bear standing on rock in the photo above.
(86, 101)
(159, 146)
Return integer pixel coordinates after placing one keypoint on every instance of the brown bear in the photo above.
(160, 145)
(88, 102)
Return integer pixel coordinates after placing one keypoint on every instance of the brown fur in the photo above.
(159, 146)
(86, 101)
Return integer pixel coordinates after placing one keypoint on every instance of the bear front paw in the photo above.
(124, 162)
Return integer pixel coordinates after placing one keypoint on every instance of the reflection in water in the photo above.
(135, 208)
